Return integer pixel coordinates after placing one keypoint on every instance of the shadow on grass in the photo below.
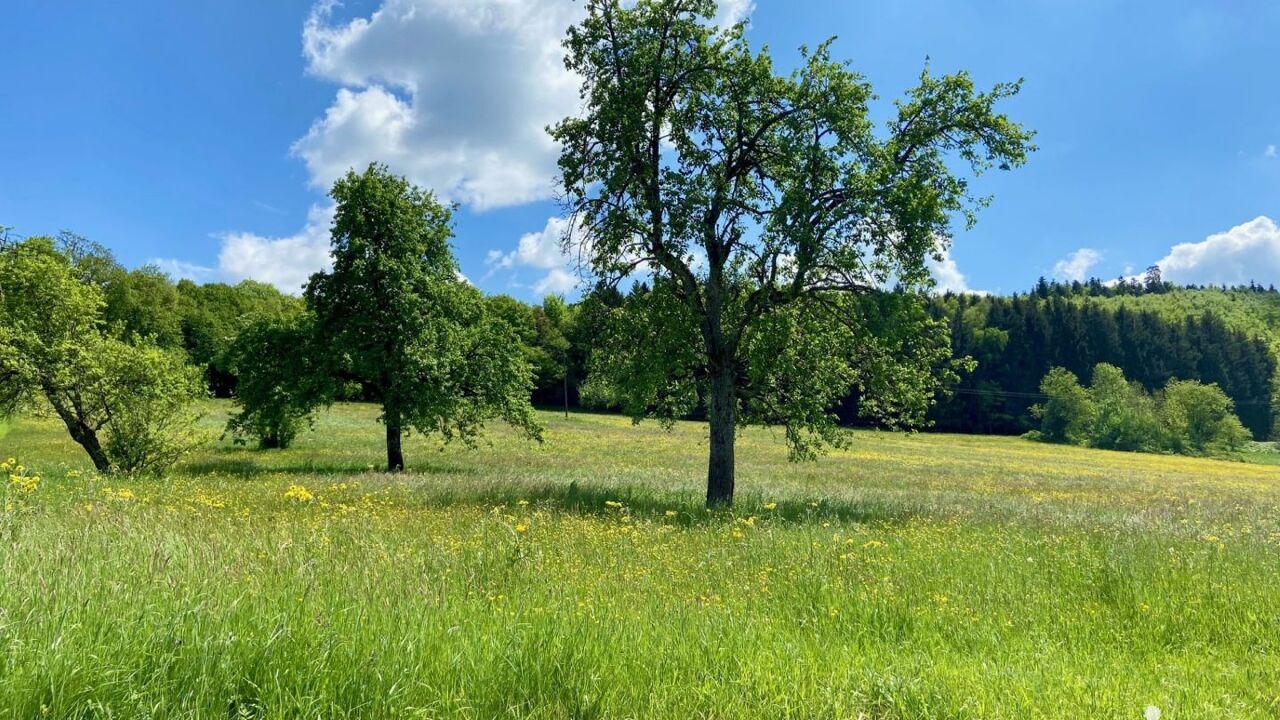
(428, 483)
(253, 463)
(643, 502)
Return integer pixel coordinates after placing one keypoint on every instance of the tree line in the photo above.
(1114, 413)
(1017, 340)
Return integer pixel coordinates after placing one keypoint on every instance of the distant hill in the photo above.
(1154, 331)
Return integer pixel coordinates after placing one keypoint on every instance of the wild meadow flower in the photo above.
(771, 506)
(298, 493)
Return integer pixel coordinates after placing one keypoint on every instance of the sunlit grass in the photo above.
(913, 576)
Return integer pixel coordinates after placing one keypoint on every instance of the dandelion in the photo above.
(522, 528)
(612, 504)
(670, 513)
(523, 503)
(298, 493)
(771, 506)
(1151, 713)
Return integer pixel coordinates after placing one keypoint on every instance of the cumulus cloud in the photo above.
(1076, 266)
(540, 250)
(947, 275)
(454, 95)
(1247, 252)
(285, 262)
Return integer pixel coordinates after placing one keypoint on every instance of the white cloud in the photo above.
(557, 281)
(947, 275)
(454, 95)
(1270, 152)
(182, 270)
(1248, 252)
(1076, 266)
(541, 250)
(286, 262)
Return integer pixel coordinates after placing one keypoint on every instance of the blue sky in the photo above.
(201, 134)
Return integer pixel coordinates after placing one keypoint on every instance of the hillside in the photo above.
(1254, 312)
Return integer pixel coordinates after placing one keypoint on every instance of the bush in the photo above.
(1068, 413)
(1199, 419)
(1125, 415)
(148, 395)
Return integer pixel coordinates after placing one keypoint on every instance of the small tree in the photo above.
(1067, 414)
(394, 315)
(128, 406)
(277, 388)
(1125, 416)
(1200, 419)
(148, 395)
(757, 201)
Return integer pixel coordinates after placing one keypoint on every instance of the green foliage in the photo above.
(214, 314)
(1200, 419)
(278, 387)
(1125, 416)
(693, 148)
(148, 394)
(394, 316)
(144, 303)
(1068, 413)
(1017, 339)
(1187, 417)
(128, 405)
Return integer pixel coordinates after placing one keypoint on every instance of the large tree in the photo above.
(395, 316)
(760, 203)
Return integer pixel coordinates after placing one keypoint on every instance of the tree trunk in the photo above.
(395, 457)
(84, 435)
(566, 392)
(722, 414)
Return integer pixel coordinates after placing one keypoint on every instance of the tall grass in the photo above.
(910, 577)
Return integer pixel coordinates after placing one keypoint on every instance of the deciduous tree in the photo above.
(760, 203)
(394, 315)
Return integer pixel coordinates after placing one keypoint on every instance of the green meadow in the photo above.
(909, 576)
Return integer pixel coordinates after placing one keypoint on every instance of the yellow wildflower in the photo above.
(298, 493)
(771, 506)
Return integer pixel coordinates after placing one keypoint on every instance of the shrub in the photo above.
(1199, 419)
(1068, 413)
(148, 395)
(1125, 415)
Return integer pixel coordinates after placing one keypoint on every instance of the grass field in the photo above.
(921, 576)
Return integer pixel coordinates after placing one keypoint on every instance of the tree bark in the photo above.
(722, 413)
(395, 457)
(84, 435)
